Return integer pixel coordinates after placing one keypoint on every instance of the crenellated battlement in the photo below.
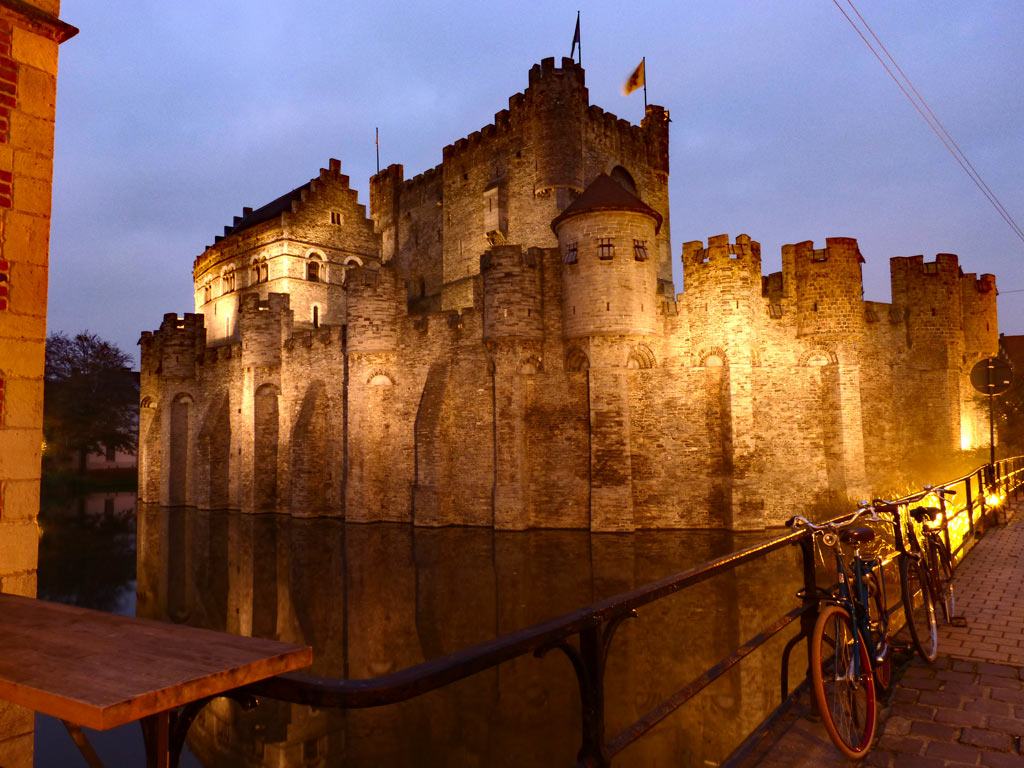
(308, 337)
(720, 251)
(546, 72)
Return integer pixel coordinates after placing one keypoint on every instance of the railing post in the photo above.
(970, 506)
(592, 696)
(981, 498)
(945, 523)
(810, 615)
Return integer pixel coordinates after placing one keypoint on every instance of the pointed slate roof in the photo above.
(606, 194)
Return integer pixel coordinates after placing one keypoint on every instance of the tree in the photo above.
(91, 398)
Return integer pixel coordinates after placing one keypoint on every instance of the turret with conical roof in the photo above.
(610, 268)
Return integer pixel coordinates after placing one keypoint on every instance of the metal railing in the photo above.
(595, 625)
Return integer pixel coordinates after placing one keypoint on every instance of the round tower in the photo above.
(930, 297)
(723, 285)
(557, 101)
(609, 265)
(829, 291)
(512, 293)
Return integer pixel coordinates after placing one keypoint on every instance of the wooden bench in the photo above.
(101, 670)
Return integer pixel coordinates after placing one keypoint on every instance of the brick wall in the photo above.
(29, 36)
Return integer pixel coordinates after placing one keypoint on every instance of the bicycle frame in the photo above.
(855, 601)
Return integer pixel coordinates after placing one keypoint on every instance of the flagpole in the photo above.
(580, 41)
(377, 138)
(644, 62)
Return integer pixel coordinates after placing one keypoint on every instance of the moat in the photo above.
(377, 598)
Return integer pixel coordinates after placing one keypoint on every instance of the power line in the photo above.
(933, 122)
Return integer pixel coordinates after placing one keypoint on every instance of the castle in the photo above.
(500, 344)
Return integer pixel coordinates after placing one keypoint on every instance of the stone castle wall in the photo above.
(480, 369)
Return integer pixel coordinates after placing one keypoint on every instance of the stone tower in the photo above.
(609, 303)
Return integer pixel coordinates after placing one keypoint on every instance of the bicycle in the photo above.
(850, 648)
(916, 593)
(937, 557)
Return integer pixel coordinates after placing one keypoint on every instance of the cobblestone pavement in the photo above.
(967, 708)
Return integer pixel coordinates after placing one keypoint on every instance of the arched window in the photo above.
(313, 272)
(206, 294)
(255, 273)
(264, 273)
(624, 177)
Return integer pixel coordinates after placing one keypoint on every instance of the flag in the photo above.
(637, 79)
(576, 38)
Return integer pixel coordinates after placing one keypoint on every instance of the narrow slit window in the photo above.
(640, 250)
(571, 254)
(335, 217)
(605, 248)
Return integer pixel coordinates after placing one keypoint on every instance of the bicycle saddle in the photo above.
(858, 535)
(922, 514)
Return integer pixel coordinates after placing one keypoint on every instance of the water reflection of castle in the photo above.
(499, 343)
(373, 599)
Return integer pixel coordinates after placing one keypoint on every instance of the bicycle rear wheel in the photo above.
(843, 684)
(918, 608)
(943, 566)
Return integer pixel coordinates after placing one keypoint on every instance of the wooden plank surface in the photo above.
(102, 670)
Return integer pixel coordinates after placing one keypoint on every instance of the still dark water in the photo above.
(376, 598)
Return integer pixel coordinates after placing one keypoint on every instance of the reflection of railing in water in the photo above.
(596, 625)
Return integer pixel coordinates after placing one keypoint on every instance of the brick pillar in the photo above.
(851, 426)
(29, 35)
(611, 490)
(511, 482)
(747, 502)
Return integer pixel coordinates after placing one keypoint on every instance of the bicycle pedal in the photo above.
(958, 621)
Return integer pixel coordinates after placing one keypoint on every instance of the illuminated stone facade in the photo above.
(499, 344)
(30, 33)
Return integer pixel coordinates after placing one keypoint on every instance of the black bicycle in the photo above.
(935, 553)
(915, 589)
(850, 650)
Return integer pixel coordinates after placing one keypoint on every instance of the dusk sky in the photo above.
(173, 116)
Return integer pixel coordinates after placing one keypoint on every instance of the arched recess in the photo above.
(149, 451)
(265, 443)
(530, 364)
(213, 454)
(712, 357)
(310, 463)
(179, 474)
(817, 356)
(625, 178)
(640, 357)
(576, 360)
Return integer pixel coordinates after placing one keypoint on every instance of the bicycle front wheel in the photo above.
(878, 618)
(918, 608)
(843, 685)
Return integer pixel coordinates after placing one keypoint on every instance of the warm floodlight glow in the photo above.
(993, 499)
